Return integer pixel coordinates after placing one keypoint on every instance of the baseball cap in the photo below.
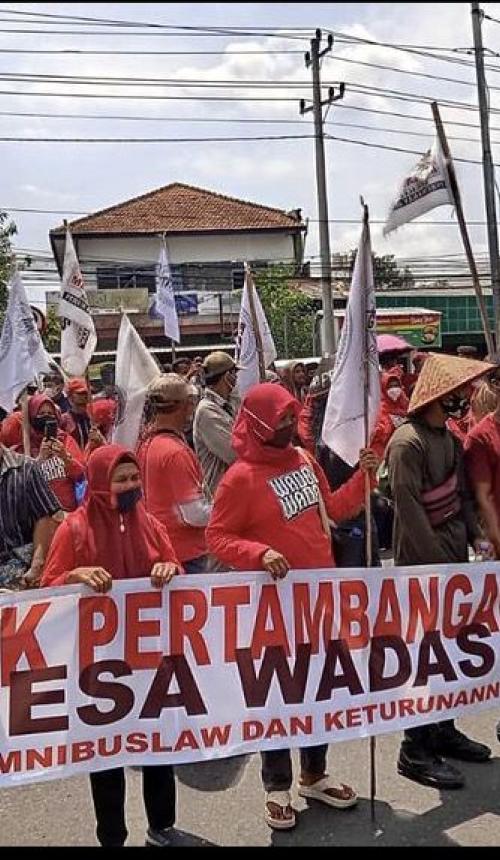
(217, 363)
(170, 388)
(77, 386)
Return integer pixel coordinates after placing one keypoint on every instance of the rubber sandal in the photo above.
(317, 791)
(281, 799)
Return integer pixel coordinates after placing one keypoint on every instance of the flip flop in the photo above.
(317, 791)
(283, 800)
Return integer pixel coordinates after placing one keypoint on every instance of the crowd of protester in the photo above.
(221, 484)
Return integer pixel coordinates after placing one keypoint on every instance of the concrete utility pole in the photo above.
(312, 58)
(488, 170)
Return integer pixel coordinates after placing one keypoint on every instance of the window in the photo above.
(126, 277)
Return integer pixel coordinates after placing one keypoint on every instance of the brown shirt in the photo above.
(421, 458)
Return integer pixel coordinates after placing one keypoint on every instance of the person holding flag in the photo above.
(271, 513)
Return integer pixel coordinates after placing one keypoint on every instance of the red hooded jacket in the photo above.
(268, 499)
(392, 412)
(92, 536)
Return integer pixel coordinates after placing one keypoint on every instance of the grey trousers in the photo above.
(276, 769)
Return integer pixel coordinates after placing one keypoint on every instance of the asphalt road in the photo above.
(60, 813)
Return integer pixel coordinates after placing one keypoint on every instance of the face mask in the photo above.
(455, 406)
(394, 394)
(283, 437)
(127, 500)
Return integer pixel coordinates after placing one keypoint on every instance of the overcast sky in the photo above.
(87, 177)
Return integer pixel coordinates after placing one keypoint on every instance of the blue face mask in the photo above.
(127, 500)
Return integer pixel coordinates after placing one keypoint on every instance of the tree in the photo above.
(52, 334)
(290, 314)
(7, 230)
(388, 275)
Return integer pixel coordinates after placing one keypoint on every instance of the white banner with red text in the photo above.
(226, 664)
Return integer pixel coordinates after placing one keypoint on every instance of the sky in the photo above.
(86, 177)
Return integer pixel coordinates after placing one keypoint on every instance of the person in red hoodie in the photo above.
(269, 514)
(113, 537)
(58, 455)
(393, 406)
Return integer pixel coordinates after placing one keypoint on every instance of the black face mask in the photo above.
(127, 500)
(455, 406)
(283, 437)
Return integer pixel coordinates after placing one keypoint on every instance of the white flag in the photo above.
(135, 369)
(78, 336)
(426, 187)
(343, 425)
(165, 299)
(22, 353)
(247, 356)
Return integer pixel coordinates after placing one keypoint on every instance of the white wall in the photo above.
(189, 249)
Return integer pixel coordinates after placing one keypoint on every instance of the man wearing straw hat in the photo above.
(434, 522)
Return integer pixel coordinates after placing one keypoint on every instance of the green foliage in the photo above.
(7, 230)
(289, 313)
(52, 335)
(387, 274)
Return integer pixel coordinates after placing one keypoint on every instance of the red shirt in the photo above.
(172, 477)
(261, 506)
(482, 455)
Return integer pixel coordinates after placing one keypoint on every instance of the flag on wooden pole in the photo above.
(255, 349)
(135, 369)
(78, 335)
(22, 353)
(354, 396)
(426, 186)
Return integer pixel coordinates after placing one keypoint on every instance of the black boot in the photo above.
(454, 744)
(424, 766)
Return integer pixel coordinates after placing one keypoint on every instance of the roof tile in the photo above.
(179, 208)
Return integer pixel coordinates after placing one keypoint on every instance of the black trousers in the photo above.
(277, 766)
(427, 737)
(108, 794)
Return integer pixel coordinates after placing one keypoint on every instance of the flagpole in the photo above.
(255, 324)
(368, 498)
(26, 423)
(463, 227)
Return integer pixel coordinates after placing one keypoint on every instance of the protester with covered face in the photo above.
(271, 513)
(214, 419)
(112, 537)
(76, 421)
(102, 417)
(171, 471)
(393, 404)
(434, 523)
(54, 388)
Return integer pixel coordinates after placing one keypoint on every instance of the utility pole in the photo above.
(488, 170)
(312, 58)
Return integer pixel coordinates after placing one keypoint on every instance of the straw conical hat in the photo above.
(442, 374)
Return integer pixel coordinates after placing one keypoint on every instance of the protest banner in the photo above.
(228, 664)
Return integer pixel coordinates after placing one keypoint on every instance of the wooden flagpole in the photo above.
(463, 227)
(255, 324)
(26, 423)
(368, 498)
